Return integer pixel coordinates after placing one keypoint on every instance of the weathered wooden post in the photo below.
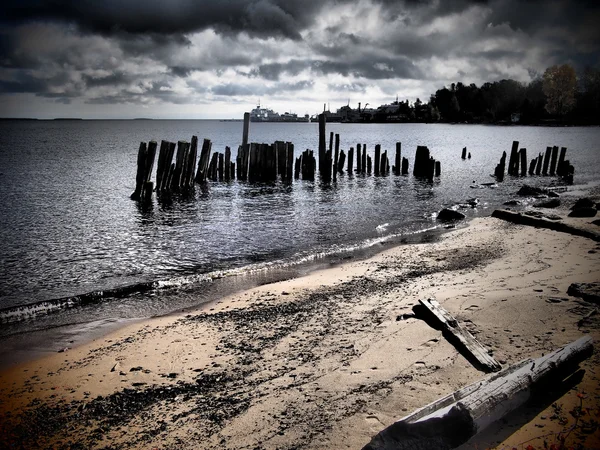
(350, 160)
(421, 166)
(290, 160)
(513, 162)
(162, 155)
(523, 155)
(499, 171)
(358, 158)
(398, 160)
(341, 161)
(322, 121)
(546, 160)
(532, 166)
(364, 158)
(140, 175)
(297, 167)
(553, 160)
(538, 164)
(560, 169)
(246, 130)
(221, 169)
(404, 166)
(369, 164)
(201, 174)
(438, 168)
(227, 163)
(336, 156)
(377, 159)
(464, 153)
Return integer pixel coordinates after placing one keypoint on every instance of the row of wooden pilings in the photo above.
(265, 162)
(550, 163)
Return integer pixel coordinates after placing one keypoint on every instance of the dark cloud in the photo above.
(237, 89)
(262, 18)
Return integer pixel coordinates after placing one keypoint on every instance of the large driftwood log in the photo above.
(465, 339)
(453, 420)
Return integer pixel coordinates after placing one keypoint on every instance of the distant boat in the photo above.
(259, 114)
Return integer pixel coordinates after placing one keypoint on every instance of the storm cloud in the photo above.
(288, 53)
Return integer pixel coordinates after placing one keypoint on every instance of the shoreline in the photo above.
(73, 335)
(321, 361)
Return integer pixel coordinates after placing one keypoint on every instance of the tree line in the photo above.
(560, 95)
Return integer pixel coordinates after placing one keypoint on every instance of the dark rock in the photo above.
(587, 291)
(136, 369)
(552, 203)
(449, 215)
(553, 194)
(513, 203)
(597, 205)
(527, 191)
(583, 203)
(596, 222)
(583, 212)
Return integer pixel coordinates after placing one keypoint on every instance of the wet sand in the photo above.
(322, 361)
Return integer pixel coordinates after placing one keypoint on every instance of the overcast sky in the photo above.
(217, 59)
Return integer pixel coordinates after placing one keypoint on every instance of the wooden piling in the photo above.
(221, 169)
(523, 156)
(369, 164)
(341, 161)
(336, 157)
(464, 153)
(398, 160)
(513, 162)
(147, 192)
(438, 168)
(289, 148)
(499, 171)
(160, 169)
(546, 160)
(364, 158)
(358, 158)
(560, 168)
(421, 165)
(553, 160)
(538, 164)
(245, 130)
(140, 174)
(404, 166)
(532, 166)
(322, 121)
(377, 160)
(203, 163)
(227, 163)
(350, 160)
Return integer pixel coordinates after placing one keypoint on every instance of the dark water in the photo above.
(68, 227)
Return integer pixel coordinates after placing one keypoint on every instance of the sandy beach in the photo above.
(326, 360)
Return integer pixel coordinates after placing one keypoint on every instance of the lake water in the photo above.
(68, 227)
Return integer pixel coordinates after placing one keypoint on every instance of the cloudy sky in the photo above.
(217, 59)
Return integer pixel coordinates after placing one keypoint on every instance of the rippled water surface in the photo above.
(68, 227)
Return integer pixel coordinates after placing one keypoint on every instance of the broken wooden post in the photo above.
(465, 339)
(546, 160)
(336, 156)
(438, 168)
(560, 169)
(538, 165)
(404, 166)
(364, 159)
(499, 171)
(452, 420)
(322, 121)
(464, 153)
(377, 160)
(553, 160)
(350, 160)
(513, 162)
(532, 166)
(140, 175)
(398, 159)
(369, 164)
(421, 166)
(221, 169)
(358, 158)
(227, 163)
(430, 169)
(297, 167)
(523, 156)
(203, 163)
(160, 166)
(341, 161)
(290, 160)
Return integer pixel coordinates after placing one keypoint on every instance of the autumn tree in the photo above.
(559, 87)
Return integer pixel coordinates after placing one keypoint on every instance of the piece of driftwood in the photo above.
(524, 219)
(466, 339)
(452, 420)
(587, 291)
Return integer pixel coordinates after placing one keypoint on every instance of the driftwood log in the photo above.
(465, 339)
(453, 420)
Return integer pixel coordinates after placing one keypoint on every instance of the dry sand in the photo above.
(326, 360)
